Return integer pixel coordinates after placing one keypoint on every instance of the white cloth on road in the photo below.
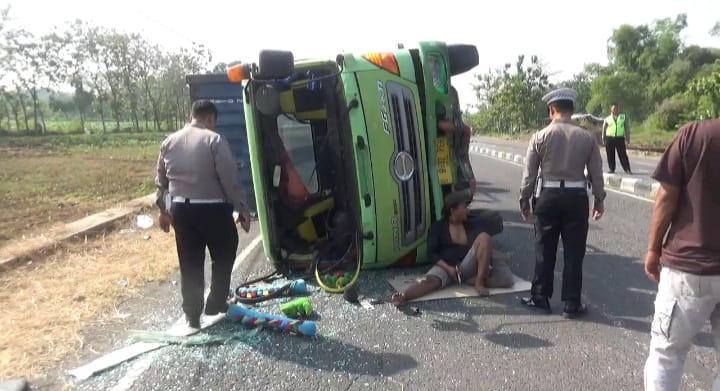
(683, 304)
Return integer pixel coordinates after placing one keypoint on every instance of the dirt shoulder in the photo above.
(48, 302)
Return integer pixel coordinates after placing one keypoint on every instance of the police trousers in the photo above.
(611, 145)
(200, 226)
(560, 213)
(683, 304)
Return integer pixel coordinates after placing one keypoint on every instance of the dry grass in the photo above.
(45, 305)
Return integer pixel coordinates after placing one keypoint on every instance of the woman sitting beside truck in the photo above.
(461, 250)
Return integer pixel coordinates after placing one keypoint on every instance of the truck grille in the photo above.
(407, 140)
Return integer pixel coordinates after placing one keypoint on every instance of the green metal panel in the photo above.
(373, 87)
(259, 182)
(433, 98)
(363, 170)
(405, 64)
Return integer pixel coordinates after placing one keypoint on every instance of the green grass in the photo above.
(641, 136)
(117, 145)
(49, 179)
(58, 126)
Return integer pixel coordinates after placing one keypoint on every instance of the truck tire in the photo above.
(462, 58)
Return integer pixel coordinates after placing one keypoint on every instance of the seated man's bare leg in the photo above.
(427, 285)
(483, 252)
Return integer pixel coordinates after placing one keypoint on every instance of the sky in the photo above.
(564, 34)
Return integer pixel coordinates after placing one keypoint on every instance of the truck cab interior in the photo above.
(307, 166)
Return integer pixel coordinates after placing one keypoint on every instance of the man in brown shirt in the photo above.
(687, 264)
(555, 172)
(198, 189)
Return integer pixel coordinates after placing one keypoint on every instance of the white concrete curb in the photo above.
(642, 187)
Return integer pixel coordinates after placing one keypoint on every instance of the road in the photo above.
(642, 166)
(479, 344)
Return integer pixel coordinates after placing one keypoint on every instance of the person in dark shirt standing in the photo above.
(687, 264)
(461, 253)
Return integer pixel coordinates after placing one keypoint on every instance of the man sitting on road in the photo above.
(462, 253)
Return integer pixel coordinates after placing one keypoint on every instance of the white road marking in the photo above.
(630, 195)
(246, 252)
(645, 291)
(518, 225)
(134, 372)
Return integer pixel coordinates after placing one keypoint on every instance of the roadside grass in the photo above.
(641, 137)
(73, 126)
(647, 138)
(47, 303)
(47, 180)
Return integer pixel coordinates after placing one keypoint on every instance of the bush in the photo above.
(670, 114)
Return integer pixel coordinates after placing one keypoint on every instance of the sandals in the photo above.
(397, 299)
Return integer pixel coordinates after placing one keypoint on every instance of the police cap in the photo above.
(560, 94)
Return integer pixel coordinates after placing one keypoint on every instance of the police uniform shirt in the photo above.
(196, 163)
(561, 151)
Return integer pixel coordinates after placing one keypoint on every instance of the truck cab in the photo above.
(351, 158)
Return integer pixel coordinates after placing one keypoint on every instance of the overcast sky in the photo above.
(565, 35)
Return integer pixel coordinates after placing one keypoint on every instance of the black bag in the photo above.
(488, 221)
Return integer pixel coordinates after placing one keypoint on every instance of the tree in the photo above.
(111, 76)
(510, 99)
(648, 64)
(221, 67)
(71, 65)
(646, 49)
(624, 87)
(581, 83)
(705, 90)
(148, 63)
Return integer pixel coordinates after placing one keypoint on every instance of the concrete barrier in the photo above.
(642, 187)
(16, 251)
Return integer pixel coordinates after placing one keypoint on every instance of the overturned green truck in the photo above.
(351, 158)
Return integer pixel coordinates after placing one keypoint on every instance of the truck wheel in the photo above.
(462, 58)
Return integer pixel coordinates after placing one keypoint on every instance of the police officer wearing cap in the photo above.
(554, 183)
(198, 189)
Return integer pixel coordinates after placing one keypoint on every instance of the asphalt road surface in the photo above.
(641, 166)
(459, 344)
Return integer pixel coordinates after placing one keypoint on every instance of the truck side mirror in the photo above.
(462, 58)
(275, 64)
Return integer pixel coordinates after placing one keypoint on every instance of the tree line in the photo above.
(659, 81)
(89, 78)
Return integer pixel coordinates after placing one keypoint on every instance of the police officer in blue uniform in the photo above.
(554, 187)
